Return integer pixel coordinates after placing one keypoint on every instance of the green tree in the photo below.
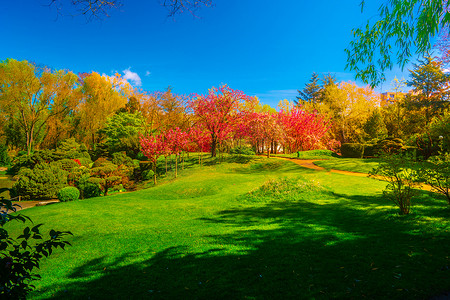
(122, 132)
(374, 126)
(429, 84)
(311, 92)
(401, 27)
(30, 96)
(105, 174)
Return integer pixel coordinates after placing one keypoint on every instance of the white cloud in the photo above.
(147, 73)
(446, 70)
(132, 77)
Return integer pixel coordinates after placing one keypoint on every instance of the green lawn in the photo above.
(311, 154)
(363, 165)
(259, 229)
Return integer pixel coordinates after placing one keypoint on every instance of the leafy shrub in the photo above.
(70, 149)
(389, 146)
(147, 175)
(106, 174)
(69, 164)
(30, 161)
(4, 157)
(436, 172)
(43, 182)
(398, 171)
(242, 150)
(88, 189)
(352, 150)
(19, 257)
(68, 193)
(121, 158)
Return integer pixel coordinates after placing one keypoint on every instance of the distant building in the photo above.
(388, 98)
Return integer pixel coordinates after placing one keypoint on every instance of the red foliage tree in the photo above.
(152, 148)
(177, 141)
(303, 130)
(263, 129)
(199, 141)
(217, 113)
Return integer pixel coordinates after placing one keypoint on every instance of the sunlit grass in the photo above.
(260, 229)
(363, 165)
(311, 154)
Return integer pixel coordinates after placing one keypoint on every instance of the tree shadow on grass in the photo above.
(282, 250)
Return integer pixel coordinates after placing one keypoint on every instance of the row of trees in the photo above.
(40, 108)
(418, 117)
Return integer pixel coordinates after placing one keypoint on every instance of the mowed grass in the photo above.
(260, 229)
(362, 165)
(310, 154)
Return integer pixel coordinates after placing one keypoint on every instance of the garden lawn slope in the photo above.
(263, 230)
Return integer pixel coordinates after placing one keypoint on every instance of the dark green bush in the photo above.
(352, 150)
(42, 182)
(87, 188)
(389, 146)
(68, 193)
(30, 161)
(70, 149)
(20, 256)
(369, 150)
(242, 150)
(4, 157)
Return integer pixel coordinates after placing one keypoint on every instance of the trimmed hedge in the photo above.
(68, 193)
(352, 150)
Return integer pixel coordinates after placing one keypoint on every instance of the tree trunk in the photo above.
(176, 165)
(213, 145)
(166, 164)
(154, 172)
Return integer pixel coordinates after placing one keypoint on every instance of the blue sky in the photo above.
(265, 48)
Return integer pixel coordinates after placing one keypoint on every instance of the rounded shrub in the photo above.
(91, 190)
(68, 193)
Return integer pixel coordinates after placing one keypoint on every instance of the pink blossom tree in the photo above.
(217, 113)
(152, 148)
(303, 130)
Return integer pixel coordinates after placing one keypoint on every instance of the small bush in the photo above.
(398, 171)
(147, 175)
(242, 150)
(89, 190)
(68, 193)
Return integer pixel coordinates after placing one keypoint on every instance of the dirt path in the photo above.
(309, 163)
(29, 204)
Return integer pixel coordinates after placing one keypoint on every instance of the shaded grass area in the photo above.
(311, 154)
(362, 165)
(259, 230)
(5, 182)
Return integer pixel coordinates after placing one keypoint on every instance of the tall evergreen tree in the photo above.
(311, 92)
(430, 86)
